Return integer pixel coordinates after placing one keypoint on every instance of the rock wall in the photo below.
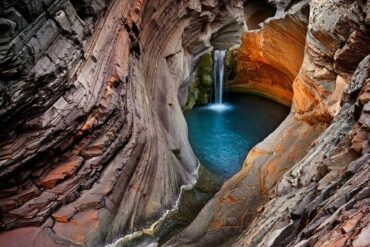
(200, 88)
(324, 199)
(333, 50)
(93, 143)
(320, 150)
(269, 58)
(93, 140)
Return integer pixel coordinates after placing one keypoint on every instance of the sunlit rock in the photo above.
(269, 58)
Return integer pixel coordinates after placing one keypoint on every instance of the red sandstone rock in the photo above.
(270, 58)
(62, 171)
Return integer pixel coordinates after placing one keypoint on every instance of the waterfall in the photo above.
(218, 74)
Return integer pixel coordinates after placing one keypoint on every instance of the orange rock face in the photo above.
(60, 173)
(269, 58)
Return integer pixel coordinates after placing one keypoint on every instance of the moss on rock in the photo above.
(201, 83)
(231, 63)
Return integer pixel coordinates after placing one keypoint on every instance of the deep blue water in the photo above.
(221, 138)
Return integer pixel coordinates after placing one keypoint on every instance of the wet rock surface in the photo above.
(200, 88)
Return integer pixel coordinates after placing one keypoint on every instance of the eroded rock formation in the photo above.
(200, 87)
(322, 198)
(93, 141)
(269, 58)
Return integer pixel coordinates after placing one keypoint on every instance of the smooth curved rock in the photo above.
(93, 142)
(270, 58)
(315, 191)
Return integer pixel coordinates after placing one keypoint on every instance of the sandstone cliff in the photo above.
(270, 57)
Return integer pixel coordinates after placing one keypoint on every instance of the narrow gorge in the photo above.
(184, 123)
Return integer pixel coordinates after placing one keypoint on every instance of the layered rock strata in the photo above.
(269, 58)
(322, 197)
(93, 141)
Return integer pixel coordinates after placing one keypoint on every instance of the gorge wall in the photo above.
(270, 57)
(322, 197)
(93, 142)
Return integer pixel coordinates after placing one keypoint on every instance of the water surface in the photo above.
(222, 135)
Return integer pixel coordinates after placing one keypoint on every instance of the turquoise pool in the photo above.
(222, 135)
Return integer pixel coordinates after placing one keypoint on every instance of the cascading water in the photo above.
(222, 133)
(218, 74)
